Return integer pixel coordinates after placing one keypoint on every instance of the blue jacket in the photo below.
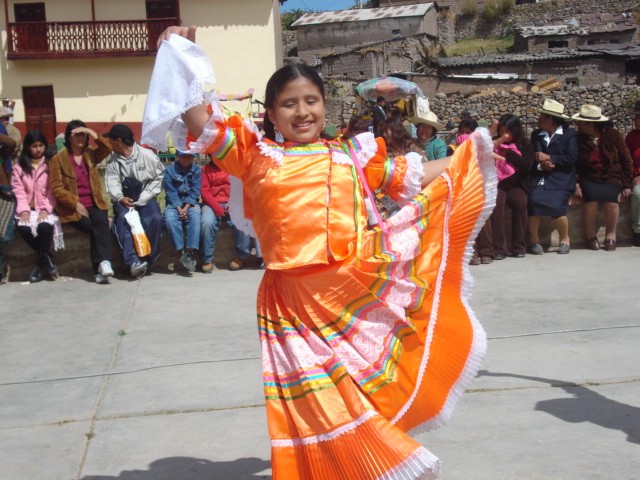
(182, 186)
(563, 150)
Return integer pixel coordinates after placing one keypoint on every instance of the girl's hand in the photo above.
(493, 128)
(24, 217)
(626, 192)
(85, 130)
(186, 32)
(42, 215)
(498, 158)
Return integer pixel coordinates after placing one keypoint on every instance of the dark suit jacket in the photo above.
(563, 150)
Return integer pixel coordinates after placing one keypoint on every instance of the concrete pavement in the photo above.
(159, 379)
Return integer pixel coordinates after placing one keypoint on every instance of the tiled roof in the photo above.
(363, 15)
(547, 30)
(515, 58)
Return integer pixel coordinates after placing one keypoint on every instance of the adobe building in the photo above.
(92, 59)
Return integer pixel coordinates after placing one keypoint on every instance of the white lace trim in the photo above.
(412, 179)
(420, 465)
(484, 155)
(324, 437)
(236, 208)
(274, 151)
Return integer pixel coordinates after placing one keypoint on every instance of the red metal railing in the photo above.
(41, 40)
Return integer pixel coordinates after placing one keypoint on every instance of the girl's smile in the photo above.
(298, 112)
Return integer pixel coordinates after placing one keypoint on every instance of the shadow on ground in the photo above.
(186, 468)
(585, 406)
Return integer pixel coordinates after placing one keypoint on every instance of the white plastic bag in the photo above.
(140, 240)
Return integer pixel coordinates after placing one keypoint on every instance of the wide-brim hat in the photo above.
(589, 113)
(425, 115)
(553, 108)
(636, 108)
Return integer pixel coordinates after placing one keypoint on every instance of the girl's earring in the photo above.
(278, 135)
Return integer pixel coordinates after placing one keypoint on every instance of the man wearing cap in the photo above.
(140, 171)
(633, 143)
(553, 178)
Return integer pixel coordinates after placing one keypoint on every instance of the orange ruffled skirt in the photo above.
(357, 353)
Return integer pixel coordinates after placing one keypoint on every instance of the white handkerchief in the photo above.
(182, 78)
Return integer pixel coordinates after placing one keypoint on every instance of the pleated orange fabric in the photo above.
(365, 335)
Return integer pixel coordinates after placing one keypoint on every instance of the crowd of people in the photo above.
(541, 175)
(50, 189)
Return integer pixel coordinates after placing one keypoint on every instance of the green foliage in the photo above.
(475, 46)
(468, 7)
(287, 18)
(497, 8)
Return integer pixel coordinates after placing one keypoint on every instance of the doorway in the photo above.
(40, 110)
(31, 37)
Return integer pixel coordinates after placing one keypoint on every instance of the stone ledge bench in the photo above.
(74, 259)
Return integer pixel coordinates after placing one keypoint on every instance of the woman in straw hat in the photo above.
(633, 143)
(555, 149)
(427, 127)
(605, 173)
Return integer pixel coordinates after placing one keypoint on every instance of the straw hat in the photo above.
(425, 115)
(589, 113)
(553, 108)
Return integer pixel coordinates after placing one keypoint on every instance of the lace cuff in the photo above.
(412, 178)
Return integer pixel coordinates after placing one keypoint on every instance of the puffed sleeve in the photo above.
(399, 177)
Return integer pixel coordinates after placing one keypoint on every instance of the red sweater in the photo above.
(633, 143)
(215, 188)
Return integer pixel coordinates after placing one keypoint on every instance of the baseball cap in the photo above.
(120, 130)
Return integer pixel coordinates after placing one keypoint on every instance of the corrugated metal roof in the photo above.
(548, 30)
(363, 15)
(515, 58)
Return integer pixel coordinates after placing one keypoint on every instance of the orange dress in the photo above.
(364, 335)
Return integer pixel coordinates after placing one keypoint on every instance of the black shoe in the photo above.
(499, 256)
(36, 274)
(636, 239)
(50, 266)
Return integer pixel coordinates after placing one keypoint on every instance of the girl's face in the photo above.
(185, 160)
(298, 112)
(425, 131)
(36, 149)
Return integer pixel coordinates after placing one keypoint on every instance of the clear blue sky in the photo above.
(317, 5)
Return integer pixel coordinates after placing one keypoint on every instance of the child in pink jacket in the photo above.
(36, 220)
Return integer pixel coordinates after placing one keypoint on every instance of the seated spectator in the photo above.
(134, 179)
(604, 171)
(427, 127)
(512, 189)
(7, 203)
(182, 181)
(465, 128)
(35, 217)
(633, 144)
(76, 186)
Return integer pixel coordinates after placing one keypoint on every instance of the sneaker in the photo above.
(499, 256)
(518, 255)
(260, 265)
(236, 264)
(564, 248)
(105, 268)
(475, 260)
(486, 260)
(138, 269)
(208, 267)
(101, 279)
(50, 266)
(536, 249)
(187, 261)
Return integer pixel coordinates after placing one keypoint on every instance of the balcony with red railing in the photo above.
(121, 38)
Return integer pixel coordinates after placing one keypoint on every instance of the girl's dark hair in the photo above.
(25, 159)
(400, 138)
(357, 125)
(73, 124)
(469, 123)
(512, 123)
(276, 84)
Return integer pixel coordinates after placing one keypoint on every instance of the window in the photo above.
(558, 44)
